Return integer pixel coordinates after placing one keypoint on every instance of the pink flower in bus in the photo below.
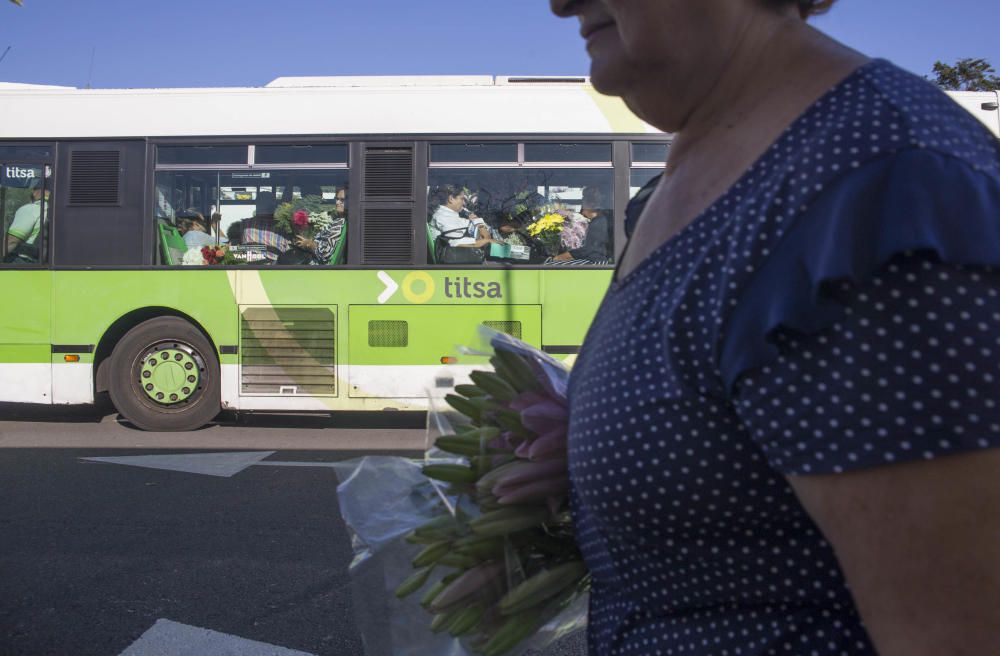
(300, 219)
(574, 232)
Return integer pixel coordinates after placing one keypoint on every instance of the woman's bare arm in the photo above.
(919, 543)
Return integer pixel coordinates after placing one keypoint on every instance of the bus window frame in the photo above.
(250, 142)
(615, 141)
(48, 165)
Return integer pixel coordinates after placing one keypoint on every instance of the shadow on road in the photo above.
(104, 411)
(343, 419)
(71, 414)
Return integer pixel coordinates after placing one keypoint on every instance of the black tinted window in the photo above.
(474, 152)
(638, 179)
(25, 152)
(201, 154)
(302, 154)
(567, 152)
(649, 152)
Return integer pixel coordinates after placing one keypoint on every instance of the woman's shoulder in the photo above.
(880, 121)
(892, 166)
(882, 110)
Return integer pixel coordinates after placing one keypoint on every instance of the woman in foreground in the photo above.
(784, 418)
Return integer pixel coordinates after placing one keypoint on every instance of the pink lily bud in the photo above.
(551, 444)
(544, 417)
(526, 400)
(477, 580)
(527, 472)
(535, 491)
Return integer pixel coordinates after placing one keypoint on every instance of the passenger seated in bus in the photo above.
(194, 228)
(596, 247)
(265, 205)
(22, 234)
(512, 232)
(260, 229)
(460, 229)
(323, 244)
(340, 202)
(234, 233)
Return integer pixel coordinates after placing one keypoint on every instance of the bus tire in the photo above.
(165, 376)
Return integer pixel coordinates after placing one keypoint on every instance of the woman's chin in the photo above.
(609, 75)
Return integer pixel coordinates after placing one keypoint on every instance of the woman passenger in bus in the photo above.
(459, 228)
(512, 231)
(596, 247)
(324, 243)
(194, 228)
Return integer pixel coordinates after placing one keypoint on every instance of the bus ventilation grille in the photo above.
(95, 178)
(389, 173)
(288, 352)
(388, 236)
(512, 328)
(388, 333)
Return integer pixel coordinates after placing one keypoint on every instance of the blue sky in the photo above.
(162, 43)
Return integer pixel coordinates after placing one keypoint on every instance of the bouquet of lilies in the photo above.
(494, 563)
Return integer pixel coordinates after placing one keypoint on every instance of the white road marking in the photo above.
(225, 465)
(281, 463)
(390, 287)
(168, 638)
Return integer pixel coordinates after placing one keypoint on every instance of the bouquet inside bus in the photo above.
(471, 550)
(305, 216)
(548, 229)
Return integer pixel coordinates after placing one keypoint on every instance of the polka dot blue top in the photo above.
(837, 308)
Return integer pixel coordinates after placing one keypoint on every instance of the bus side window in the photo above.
(279, 217)
(532, 216)
(24, 205)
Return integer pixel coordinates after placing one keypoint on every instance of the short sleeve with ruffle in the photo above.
(872, 335)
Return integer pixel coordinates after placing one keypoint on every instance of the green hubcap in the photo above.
(169, 376)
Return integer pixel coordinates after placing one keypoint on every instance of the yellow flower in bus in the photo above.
(549, 223)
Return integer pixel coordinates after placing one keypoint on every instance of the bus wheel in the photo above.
(165, 376)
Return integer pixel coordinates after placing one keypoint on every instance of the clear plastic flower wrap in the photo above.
(470, 550)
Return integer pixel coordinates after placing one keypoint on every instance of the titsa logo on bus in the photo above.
(17, 173)
(419, 287)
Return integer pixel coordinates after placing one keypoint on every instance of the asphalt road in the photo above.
(251, 559)
(93, 554)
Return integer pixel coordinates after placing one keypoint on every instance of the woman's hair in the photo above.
(807, 8)
(234, 233)
(593, 198)
(266, 204)
(440, 194)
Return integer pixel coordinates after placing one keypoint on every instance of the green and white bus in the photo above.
(279, 248)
